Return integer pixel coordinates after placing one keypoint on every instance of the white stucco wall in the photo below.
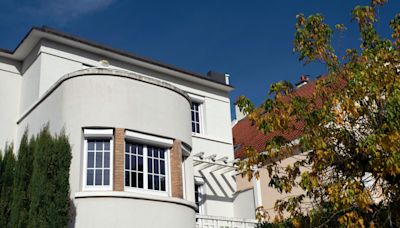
(126, 212)
(244, 204)
(30, 81)
(115, 100)
(53, 68)
(10, 80)
(109, 101)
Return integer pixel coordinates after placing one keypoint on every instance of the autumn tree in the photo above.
(350, 162)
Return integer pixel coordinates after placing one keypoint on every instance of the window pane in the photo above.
(140, 163)
(106, 177)
(198, 128)
(98, 177)
(150, 181)
(155, 152)
(106, 145)
(89, 177)
(127, 162)
(150, 151)
(99, 145)
(197, 117)
(99, 160)
(156, 166)
(162, 153)
(90, 160)
(133, 179)
(127, 178)
(162, 183)
(133, 148)
(133, 162)
(90, 145)
(140, 149)
(149, 165)
(107, 160)
(162, 167)
(140, 180)
(127, 147)
(156, 183)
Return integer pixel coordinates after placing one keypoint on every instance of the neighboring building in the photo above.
(151, 143)
(246, 134)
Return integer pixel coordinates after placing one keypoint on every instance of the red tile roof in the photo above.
(245, 133)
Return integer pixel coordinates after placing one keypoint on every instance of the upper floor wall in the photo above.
(49, 61)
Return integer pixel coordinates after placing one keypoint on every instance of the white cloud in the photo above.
(66, 10)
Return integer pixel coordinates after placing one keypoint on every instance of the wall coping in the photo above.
(100, 71)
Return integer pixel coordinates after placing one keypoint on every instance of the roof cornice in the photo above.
(36, 34)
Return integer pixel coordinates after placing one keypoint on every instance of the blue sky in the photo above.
(251, 40)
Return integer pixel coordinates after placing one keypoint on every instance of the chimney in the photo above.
(303, 80)
(239, 115)
(218, 77)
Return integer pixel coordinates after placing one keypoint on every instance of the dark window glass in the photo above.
(90, 145)
(90, 161)
(149, 165)
(107, 145)
(127, 178)
(89, 177)
(127, 162)
(162, 167)
(99, 145)
(133, 179)
(162, 183)
(150, 181)
(98, 177)
(140, 180)
(106, 160)
(106, 177)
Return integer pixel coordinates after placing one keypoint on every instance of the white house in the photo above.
(151, 143)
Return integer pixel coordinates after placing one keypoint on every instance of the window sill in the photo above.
(133, 195)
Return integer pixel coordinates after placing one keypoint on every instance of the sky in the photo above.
(251, 40)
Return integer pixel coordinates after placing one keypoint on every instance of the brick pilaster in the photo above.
(119, 147)
(176, 170)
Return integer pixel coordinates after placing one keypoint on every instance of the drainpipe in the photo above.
(257, 189)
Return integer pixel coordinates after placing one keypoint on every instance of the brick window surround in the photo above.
(175, 165)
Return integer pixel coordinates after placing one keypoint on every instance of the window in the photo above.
(196, 117)
(145, 167)
(98, 159)
(198, 197)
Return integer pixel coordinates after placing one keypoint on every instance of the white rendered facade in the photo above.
(91, 91)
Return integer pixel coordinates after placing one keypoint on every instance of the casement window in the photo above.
(147, 163)
(98, 157)
(197, 114)
(196, 117)
(198, 197)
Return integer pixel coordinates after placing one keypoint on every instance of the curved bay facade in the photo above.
(151, 143)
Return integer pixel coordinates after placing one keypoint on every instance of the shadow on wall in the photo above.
(72, 214)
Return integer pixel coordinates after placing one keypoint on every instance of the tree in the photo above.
(49, 186)
(351, 133)
(22, 179)
(6, 187)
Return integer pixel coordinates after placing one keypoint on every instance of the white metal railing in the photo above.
(206, 221)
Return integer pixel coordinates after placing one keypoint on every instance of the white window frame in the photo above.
(150, 140)
(199, 100)
(201, 192)
(93, 134)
